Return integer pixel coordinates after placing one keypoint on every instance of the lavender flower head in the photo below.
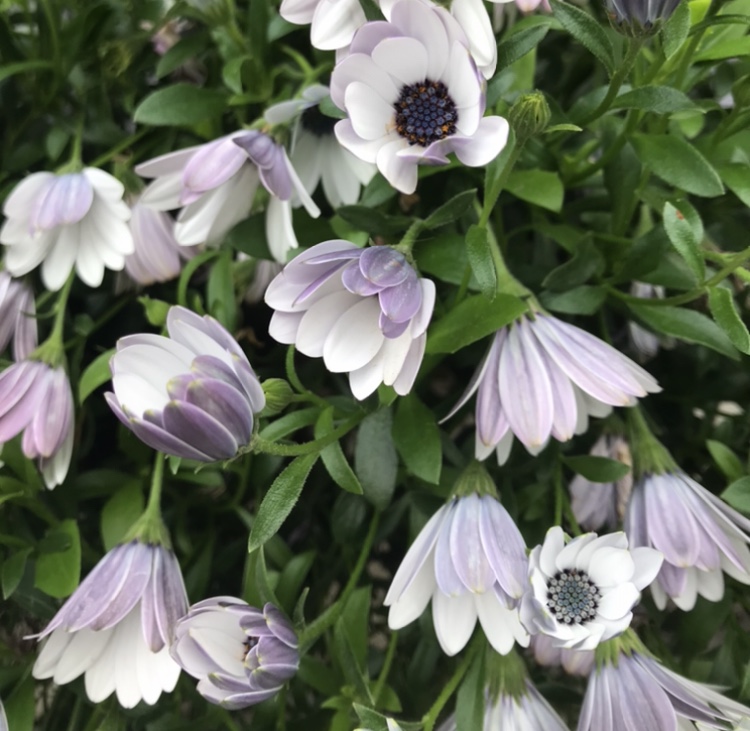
(17, 317)
(543, 378)
(583, 590)
(470, 560)
(64, 221)
(36, 399)
(117, 626)
(239, 654)
(192, 394)
(364, 311)
(640, 694)
(701, 537)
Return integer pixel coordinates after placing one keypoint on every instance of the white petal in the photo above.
(454, 619)
(371, 116)
(355, 339)
(318, 321)
(618, 602)
(403, 58)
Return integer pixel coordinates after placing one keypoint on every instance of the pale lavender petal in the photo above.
(210, 166)
(384, 266)
(198, 429)
(390, 329)
(356, 282)
(491, 422)
(448, 580)
(225, 404)
(271, 160)
(402, 302)
(66, 200)
(644, 705)
(466, 546)
(504, 547)
(159, 438)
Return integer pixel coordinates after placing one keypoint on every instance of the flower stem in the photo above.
(390, 653)
(493, 190)
(260, 445)
(410, 237)
(150, 528)
(649, 454)
(52, 350)
(119, 147)
(296, 383)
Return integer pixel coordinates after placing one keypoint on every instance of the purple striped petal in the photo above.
(448, 580)
(504, 547)
(279, 624)
(390, 329)
(384, 266)
(644, 705)
(356, 282)
(22, 390)
(66, 200)
(402, 302)
(466, 546)
(490, 418)
(195, 427)
(225, 404)
(159, 438)
(210, 166)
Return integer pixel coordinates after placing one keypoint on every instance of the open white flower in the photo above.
(413, 95)
(64, 221)
(333, 22)
(583, 590)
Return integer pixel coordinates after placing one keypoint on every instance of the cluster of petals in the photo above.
(700, 536)
(192, 394)
(333, 23)
(315, 153)
(527, 711)
(117, 626)
(543, 378)
(598, 505)
(36, 399)
(470, 560)
(643, 12)
(421, 50)
(573, 662)
(239, 654)
(640, 694)
(63, 221)
(582, 591)
(17, 317)
(364, 311)
(215, 185)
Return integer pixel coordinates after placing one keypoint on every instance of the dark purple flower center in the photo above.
(248, 644)
(425, 113)
(573, 597)
(317, 123)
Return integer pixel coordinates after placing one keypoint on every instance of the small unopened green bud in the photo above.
(741, 92)
(278, 395)
(474, 480)
(530, 115)
(639, 18)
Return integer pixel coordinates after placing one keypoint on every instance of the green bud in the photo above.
(155, 310)
(530, 115)
(474, 480)
(278, 395)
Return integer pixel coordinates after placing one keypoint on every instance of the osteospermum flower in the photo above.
(117, 626)
(215, 185)
(582, 591)
(543, 378)
(36, 399)
(637, 693)
(413, 95)
(700, 536)
(364, 311)
(316, 154)
(332, 22)
(192, 394)
(240, 655)
(17, 317)
(640, 14)
(602, 504)
(470, 560)
(64, 221)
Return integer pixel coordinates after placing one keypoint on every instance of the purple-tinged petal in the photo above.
(504, 547)
(210, 166)
(673, 580)
(402, 302)
(384, 266)
(19, 407)
(52, 422)
(66, 201)
(356, 282)
(280, 625)
(448, 580)
(466, 546)
(225, 404)
(157, 437)
(390, 329)
(194, 426)
(491, 423)
(644, 705)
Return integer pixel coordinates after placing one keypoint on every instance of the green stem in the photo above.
(649, 454)
(119, 147)
(410, 237)
(52, 350)
(492, 193)
(260, 445)
(150, 528)
(634, 48)
(506, 282)
(296, 383)
(315, 629)
(430, 718)
(390, 653)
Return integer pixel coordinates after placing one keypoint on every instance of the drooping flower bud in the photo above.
(639, 18)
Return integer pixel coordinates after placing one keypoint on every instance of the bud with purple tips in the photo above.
(364, 311)
(17, 317)
(640, 18)
(192, 394)
(239, 654)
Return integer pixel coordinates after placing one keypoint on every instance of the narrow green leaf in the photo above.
(724, 311)
(586, 263)
(540, 187)
(57, 574)
(180, 104)
(120, 513)
(677, 162)
(686, 236)
(479, 254)
(347, 661)
(182, 51)
(597, 469)
(281, 497)
(583, 300)
(586, 30)
(519, 44)
(372, 221)
(13, 568)
(293, 577)
(726, 460)
(155, 310)
(471, 320)
(738, 495)
(333, 456)
(20, 706)
(729, 48)
(657, 99)
(96, 374)
(22, 67)
(375, 458)
(220, 290)
(417, 439)
(564, 127)
(736, 177)
(675, 30)
(687, 325)
(451, 209)
(470, 697)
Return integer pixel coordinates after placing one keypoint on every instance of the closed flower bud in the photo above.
(530, 115)
(278, 394)
(639, 18)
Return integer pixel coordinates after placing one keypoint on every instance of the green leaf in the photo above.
(470, 699)
(327, 107)
(675, 30)
(564, 127)
(22, 67)
(249, 237)
(417, 439)
(519, 44)
(736, 177)
(479, 253)
(685, 231)
(374, 721)
(221, 302)
(471, 320)
(583, 300)
(586, 30)
(586, 263)
(678, 163)
(290, 423)
(597, 469)
(182, 51)
(120, 513)
(347, 660)
(738, 495)
(687, 325)
(657, 99)
(451, 209)
(729, 48)
(281, 497)
(155, 310)
(21, 705)
(180, 104)
(333, 456)
(724, 311)
(375, 458)
(726, 460)
(540, 187)
(96, 374)
(372, 221)
(293, 577)
(13, 568)
(58, 574)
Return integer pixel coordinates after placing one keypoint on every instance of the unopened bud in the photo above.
(639, 18)
(278, 395)
(530, 115)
